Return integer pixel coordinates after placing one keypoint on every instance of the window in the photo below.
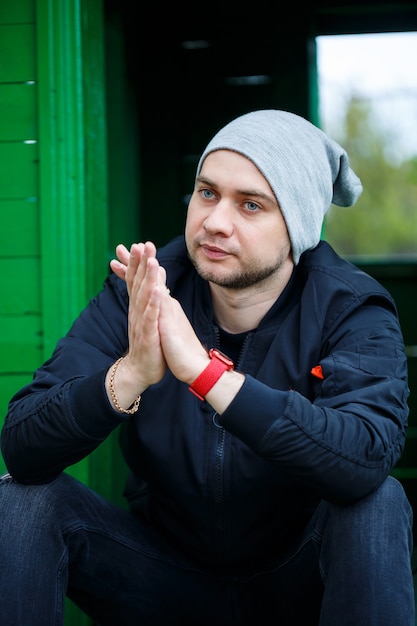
(368, 102)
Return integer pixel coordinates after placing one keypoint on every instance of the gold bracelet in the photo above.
(115, 401)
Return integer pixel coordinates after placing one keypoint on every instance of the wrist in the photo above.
(122, 400)
(219, 364)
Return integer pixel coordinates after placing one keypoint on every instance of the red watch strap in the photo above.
(219, 364)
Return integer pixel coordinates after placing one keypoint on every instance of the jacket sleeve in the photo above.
(64, 413)
(348, 437)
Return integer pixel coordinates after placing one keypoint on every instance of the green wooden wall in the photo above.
(53, 177)
(20, 302)
(53, 192)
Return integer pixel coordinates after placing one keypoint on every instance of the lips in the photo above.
(213, 252)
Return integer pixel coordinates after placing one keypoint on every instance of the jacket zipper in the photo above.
(219, 458)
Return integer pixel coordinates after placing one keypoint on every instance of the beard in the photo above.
(245, 277)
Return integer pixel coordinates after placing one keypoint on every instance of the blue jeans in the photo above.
(351, 566)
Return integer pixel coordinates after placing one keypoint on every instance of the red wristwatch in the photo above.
(219, 364)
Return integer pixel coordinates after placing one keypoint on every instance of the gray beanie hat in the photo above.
(306, 169)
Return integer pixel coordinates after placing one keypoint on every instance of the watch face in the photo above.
(216, 354)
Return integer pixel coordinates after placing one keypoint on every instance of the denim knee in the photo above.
(26, 506)
(378, 525)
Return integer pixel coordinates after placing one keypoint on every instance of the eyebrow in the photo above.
(253, 193)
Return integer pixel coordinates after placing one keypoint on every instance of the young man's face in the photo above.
(235, 233)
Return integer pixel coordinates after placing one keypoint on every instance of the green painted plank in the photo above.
(21, 344)
(17, 53)
(19, 286)
(19, 170)
(19, 12)
(18, 115)
(19, 232)
(72, 141)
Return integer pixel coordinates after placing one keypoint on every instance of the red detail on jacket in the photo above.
(318, 372)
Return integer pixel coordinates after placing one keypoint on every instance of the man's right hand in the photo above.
(144, 363)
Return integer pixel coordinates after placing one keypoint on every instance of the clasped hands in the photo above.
(160, 334)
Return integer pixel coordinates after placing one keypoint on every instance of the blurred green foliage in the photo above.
(384, 219)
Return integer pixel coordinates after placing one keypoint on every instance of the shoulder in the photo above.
(335, 287)
(324, 266)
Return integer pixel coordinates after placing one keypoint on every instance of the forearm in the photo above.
(46, 432)
(343, 451)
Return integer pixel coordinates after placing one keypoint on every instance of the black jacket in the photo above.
(235, 488)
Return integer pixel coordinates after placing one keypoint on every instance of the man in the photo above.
(260, 383)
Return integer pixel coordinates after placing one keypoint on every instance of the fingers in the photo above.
(118, 268)
(146, 285)
(143, 274)
(162, 276)
(131, 265)
(144, 277)
(145, 353)
(119, 265)
(136, 259)
(123, 254)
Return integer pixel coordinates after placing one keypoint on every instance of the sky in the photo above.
(379, 67)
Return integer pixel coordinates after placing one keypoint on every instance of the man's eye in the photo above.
(252, 206)
(207, 194)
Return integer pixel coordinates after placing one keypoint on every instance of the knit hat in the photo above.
(306, 169)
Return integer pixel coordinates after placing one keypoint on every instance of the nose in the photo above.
(220, 219)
